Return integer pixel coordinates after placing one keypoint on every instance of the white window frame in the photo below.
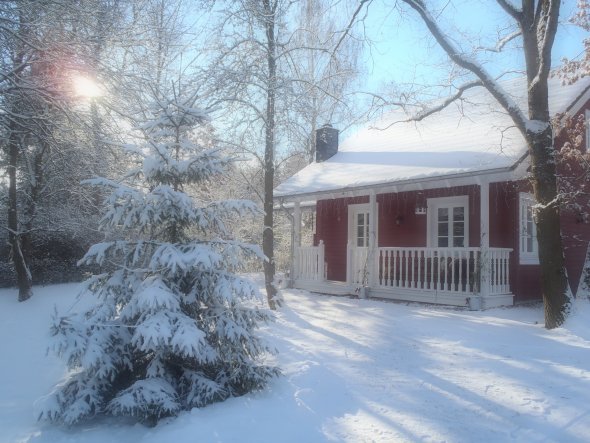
(525, 201)
(433, 205)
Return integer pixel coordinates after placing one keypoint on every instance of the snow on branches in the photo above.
(572, 70)
(174, 325)
(574, 164)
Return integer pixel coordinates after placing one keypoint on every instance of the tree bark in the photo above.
(539, 26)
(554, 282)
(23, 275)
(269, 170)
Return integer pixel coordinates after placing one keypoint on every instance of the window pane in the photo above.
(362, 229)
(459, 214)
(458, 229)
(529, 244)
(458, 242)
(443, 229)
(443, 214)
(443, 242)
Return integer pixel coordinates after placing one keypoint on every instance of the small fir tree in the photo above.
(174, 326)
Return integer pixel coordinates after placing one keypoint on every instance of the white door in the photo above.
(358, 243)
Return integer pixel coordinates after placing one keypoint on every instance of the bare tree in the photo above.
(270, 66)
(323, 79)
(536, 23)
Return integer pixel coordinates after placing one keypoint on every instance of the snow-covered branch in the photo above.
(502, 42)
(456, 55)
(446, 102)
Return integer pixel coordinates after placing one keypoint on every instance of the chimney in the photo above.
(326, 142)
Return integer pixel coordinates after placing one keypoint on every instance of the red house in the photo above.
(437, 211)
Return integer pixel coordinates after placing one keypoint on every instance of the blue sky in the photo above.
(403, 52)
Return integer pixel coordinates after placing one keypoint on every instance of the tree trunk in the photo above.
(269, 170)
(554, 282)
(23, 275)
(539, 27)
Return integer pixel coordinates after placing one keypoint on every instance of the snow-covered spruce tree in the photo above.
(174, 326)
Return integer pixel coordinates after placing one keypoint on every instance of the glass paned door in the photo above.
(358, 240)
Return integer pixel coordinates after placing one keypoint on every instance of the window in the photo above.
(529, 254)
(587, 123)
(448, 222)
(362, 229)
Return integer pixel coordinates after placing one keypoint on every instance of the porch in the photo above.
(425, 243)
(474, 277)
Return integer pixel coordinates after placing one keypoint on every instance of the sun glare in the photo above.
(86, 87)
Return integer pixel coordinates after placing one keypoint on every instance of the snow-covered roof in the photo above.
(471, 136)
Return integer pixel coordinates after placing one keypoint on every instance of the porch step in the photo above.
(434, 297)
(325, 287)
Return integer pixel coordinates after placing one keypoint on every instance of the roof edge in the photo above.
(352, 191)
(576, 105)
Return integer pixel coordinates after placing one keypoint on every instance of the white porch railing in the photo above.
(442, 269)
(499, 260)
(450, 270)
(358, 271)
(309, 262)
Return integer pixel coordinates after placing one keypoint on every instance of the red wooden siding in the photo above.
(332, 228)
(525, 280)
(332, 222)
(412, 228)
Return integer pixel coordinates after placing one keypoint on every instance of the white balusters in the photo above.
(309, 262)
(453, 270)
(500, 275)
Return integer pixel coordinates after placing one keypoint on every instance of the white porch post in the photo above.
(372, 239)
(297, 224)
(349, 263)
(296, 239)
(484, 214)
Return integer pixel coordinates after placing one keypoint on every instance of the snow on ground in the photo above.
(354, 371)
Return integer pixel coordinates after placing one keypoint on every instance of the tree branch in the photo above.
(502, 42)
(350, 24)
(550, 16)
(471, 65)
(514, 12)
(445, 103)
